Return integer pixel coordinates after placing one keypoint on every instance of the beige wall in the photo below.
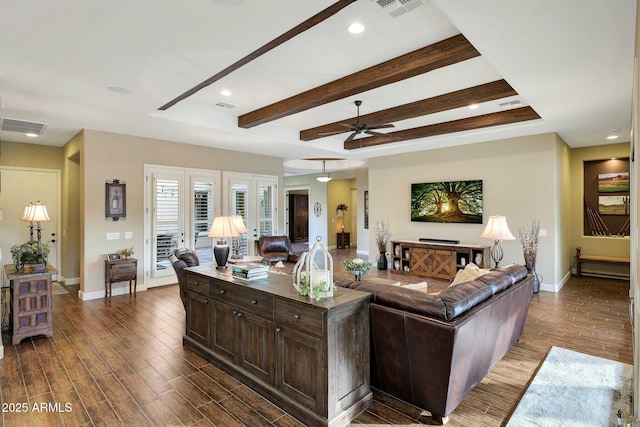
(71, 215)
(610, 246)
(339, 191)
(107, 156)
(35, 156)
(519, 181)
(563, 211)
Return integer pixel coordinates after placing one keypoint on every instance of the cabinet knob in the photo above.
(235, 312)
(223, 291)
(239, 314)
(254, 302)
(278, 329)
(296, 316)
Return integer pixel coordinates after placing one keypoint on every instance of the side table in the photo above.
(31, 299)
(123, 270)
(343, 240)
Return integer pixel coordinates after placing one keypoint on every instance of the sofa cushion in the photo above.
(469, 273)
(515, 271)
(403, 298)
(460, 298)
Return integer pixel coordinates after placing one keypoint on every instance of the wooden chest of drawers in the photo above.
(124, 270)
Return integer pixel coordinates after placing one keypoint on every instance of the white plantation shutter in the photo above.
(267, 212)
(239, 196)
(167, 218)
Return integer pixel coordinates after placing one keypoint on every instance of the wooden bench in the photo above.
(597, 259)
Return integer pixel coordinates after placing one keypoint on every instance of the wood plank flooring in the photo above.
(120, 362)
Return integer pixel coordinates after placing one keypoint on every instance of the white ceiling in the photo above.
(570, 60)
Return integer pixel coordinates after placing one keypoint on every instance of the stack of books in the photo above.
(249, 271)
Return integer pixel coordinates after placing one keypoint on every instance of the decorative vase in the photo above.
(536, 280)
(382, 261)
(479, 260)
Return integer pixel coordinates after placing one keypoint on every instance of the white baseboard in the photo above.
(70, 280)
(115, 290)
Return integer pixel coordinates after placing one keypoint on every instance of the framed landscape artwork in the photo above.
(613, 205)
(447, 202)
(613, 182)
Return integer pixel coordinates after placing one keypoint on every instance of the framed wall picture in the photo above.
(113, 257)
(115, 200)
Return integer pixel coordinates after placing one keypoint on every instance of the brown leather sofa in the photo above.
(275, 248)
(180, 259)
(432, 349)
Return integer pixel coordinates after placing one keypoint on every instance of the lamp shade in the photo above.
(497, 229)
(238, 224)
(222, 227)
(28, 212)
(36, 213)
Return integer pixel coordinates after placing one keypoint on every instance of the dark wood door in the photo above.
(198, 318)
(256, 342)
(300, 368)
(299, 217)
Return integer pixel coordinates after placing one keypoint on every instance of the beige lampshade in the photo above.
(28, 212)
(35, 213)
(222, 227)
(238, 224)
(497, 229)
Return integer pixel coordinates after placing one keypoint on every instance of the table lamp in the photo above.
(37, 213)
(222, 227)
(497, 230)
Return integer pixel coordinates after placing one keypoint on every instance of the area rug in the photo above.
(58, 289)
(575, 389)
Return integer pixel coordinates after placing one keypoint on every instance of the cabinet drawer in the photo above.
(300, 317)
(252, 301)
(198, 284)
(122, 272)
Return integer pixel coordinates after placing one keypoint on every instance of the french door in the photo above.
(255, 199)
(180, 205)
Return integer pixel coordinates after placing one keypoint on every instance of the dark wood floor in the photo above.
(121, 362)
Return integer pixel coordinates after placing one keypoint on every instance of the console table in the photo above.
(343, 240)
(31, 299)
(122, 270)
(311, 358)
(436, 260)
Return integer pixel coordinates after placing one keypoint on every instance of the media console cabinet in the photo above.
(435, 259)
(310, 358)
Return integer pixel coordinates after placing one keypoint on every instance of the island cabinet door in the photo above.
(198, 315)
(256, 346)
(224, 334)
(301, 371)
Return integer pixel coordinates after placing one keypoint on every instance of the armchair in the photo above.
(180, 259)
(275, 248)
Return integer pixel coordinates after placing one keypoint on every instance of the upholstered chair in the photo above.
(180, 259)
(275, 248)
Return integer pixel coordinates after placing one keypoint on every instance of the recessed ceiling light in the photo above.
(356, 28)
(225, 92)
(118, 89)
(32, 135)
(474, 107)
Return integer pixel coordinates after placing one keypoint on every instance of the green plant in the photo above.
(357, 264)
(317, 290)
(127, 252)
(343, 207)
(28, 253)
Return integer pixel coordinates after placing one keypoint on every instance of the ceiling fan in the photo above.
(358, 127)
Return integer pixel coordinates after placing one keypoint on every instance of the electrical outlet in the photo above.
(113, 236)
(128, 234)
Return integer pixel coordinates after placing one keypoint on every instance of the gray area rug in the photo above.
(575, 389)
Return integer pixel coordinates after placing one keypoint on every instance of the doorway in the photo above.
(298, 218)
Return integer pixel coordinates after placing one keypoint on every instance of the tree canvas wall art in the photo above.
(447, 202)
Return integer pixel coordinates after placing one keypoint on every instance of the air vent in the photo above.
(396, 8)
(510, 104)
(20, 126)
(224, 105)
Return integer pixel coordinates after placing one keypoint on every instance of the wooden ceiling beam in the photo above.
(446, 52)
(470, 123)
(448, 101)
(300, 28)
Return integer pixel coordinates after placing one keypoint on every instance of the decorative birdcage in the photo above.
(313, 273)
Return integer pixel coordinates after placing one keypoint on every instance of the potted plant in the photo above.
(342, 208)
(382, 234)
(357, 266)
(528, 236)
(27, 253)
(127, 252)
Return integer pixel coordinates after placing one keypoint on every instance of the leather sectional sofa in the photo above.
(432, 349)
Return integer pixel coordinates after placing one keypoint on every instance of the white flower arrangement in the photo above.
(528, 236)
(357, 264)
